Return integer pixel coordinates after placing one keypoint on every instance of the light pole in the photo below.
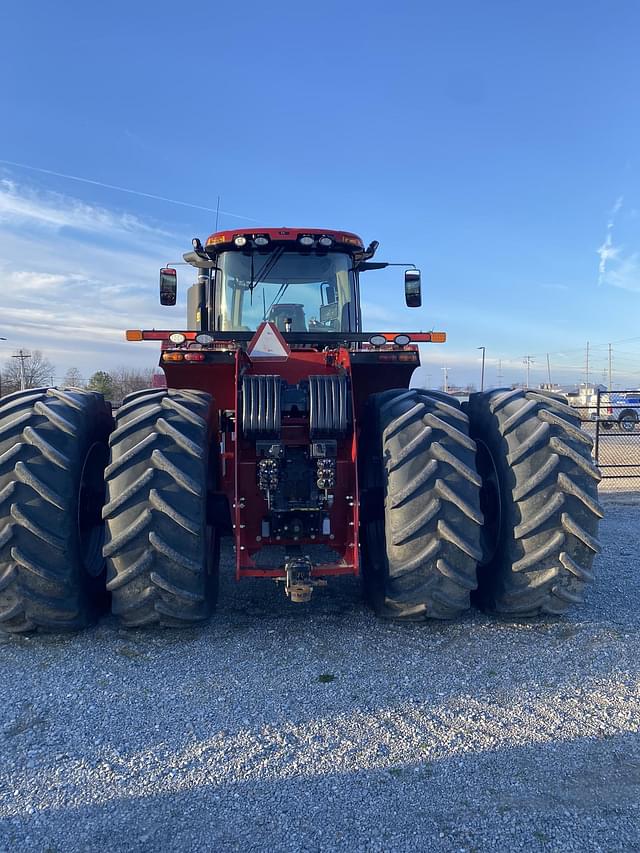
(482, 374)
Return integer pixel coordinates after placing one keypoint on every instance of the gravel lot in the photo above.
(279, 727)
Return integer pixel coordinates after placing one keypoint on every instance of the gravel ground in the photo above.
(279, 727)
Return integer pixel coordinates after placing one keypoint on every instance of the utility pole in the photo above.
(610, 386)
(23, 356)
(1, 339)
(445, 383)
(587, 371)
(527, 360)
(482, 374)
(548, 370)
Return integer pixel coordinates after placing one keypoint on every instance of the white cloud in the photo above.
(619, 267)
(74, 276)
(624, 273)
(617, 207)
(607, 252)
(22, 206)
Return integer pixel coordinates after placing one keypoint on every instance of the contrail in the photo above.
(124, 190)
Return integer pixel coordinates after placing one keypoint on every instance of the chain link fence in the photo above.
(613, 421)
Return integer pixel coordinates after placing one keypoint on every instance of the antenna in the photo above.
(217, 213)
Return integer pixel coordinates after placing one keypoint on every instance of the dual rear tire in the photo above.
(64, 469)
(496, 504)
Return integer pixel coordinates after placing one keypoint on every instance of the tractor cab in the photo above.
(300, 281)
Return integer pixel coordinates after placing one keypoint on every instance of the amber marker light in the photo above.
(173, 356)
(134, 335)
(438, 337)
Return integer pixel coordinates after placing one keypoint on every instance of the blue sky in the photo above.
(495, 144)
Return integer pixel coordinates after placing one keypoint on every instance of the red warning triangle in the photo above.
(268, 343)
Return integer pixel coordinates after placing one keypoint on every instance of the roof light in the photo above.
(306, 240)
(240, 241)
(438, 337)
(205, 339)
(377, 340)
(134, 335)
(172, 356)
(261, 240)
(215, 239)
(177, 338)
(325, 241)
(402, 340)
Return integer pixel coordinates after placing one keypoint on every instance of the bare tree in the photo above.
(126, 380)
(73, 378)
(38, 371)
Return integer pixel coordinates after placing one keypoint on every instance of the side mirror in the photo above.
(331, 293)
(168, 286)
(412, 288)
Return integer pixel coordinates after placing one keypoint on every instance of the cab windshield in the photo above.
(299, 292)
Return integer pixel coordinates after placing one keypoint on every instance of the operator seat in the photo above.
(279, 314)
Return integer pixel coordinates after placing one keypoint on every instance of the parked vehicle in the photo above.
(621, 408)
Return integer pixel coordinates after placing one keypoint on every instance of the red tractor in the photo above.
(289, 428)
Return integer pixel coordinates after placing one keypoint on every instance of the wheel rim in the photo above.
(627, 424)
(91, 497)
(490, 502)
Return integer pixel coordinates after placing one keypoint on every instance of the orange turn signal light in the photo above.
(438, 337)
(173, 356)
(134, 335)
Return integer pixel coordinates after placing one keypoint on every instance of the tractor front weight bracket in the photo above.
(298, 583)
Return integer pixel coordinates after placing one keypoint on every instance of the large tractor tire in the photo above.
(53, 450)
(162, 553)
(540, 489)
(421, 518)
